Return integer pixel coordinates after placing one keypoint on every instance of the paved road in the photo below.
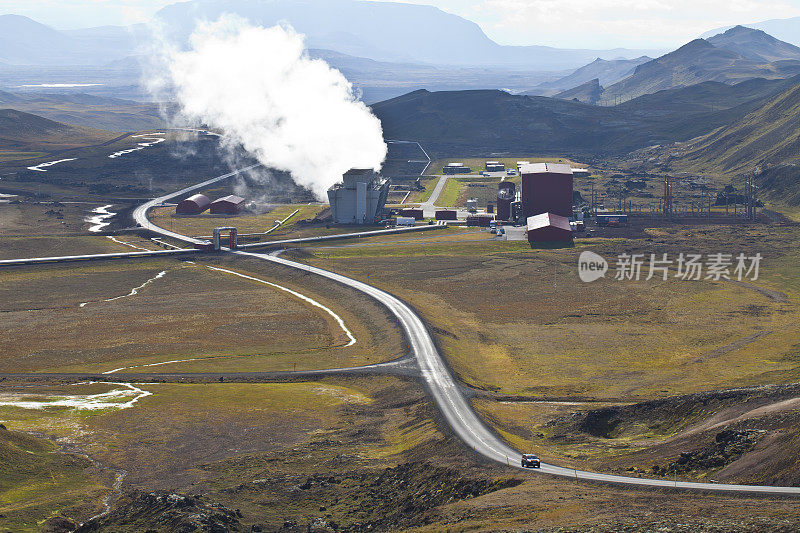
(405, 366)
(68, 258)
(446, 394)
(140, 213)
(460, 415)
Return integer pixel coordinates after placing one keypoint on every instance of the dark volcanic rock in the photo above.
(161, 511)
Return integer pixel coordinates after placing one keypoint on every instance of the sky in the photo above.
(561, 23)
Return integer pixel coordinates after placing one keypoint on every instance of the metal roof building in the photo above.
(194, 205)
(360, 198)
(227, 205)
(548, 227)
(546, 188)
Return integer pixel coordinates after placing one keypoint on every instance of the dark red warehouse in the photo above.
(548, 227)
(227, 205)
(194, 205)
(546, 188)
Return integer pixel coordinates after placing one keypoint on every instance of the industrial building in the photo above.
(549, 227)
(456, 168)
(194, 205)
(546, 188)
(359, 198)
(506, 193)
(227, 205)
(416, 214)
(495, 166)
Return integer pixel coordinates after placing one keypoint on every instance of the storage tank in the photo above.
(505, 195)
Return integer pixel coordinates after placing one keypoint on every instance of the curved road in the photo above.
(442, 386)
(140, 213)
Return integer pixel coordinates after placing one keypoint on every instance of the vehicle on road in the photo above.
(530, 460)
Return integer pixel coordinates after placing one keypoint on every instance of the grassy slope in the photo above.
(770, 134)
(37, 481)
(191, 312)
(24, 132)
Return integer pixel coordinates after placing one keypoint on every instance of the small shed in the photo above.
(446, 214)
(416, 214)
(194, 205)
(227, 205)
(549, 227)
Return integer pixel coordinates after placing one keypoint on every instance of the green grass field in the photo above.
(218, 320)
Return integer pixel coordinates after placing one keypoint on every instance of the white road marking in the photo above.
(303, 297)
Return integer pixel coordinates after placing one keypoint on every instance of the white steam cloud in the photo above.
(291, 112)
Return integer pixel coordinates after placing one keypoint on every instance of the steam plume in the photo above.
(291, 112)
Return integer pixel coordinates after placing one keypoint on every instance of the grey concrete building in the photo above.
(360, 198)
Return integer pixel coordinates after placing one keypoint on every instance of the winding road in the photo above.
(443, 388)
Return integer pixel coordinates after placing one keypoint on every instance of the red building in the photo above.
(548, 227)
(227, 205)
(416, 214)
(194, 205)
(546, 188)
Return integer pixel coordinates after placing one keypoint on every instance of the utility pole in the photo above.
(667, 198)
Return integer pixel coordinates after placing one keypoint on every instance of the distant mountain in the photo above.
(24, 131)
(588, 93)
(24, 41)
(787, 30)
(755, 45)
(700, 61)
(708, 97)
(384, 31)
(607, 73)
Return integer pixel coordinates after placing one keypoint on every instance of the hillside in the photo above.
(463, 122)
(700, 60)
(588, 93)
(769, 135)
(112, 114)
(21, 131)
(607, 72)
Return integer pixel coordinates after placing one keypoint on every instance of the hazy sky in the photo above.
(563, 23)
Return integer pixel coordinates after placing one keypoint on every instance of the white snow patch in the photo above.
(101, 214)
(127, 243)
(61, 85)
(41, 166)
(135, 290)
(140, 146)
(113, 399)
